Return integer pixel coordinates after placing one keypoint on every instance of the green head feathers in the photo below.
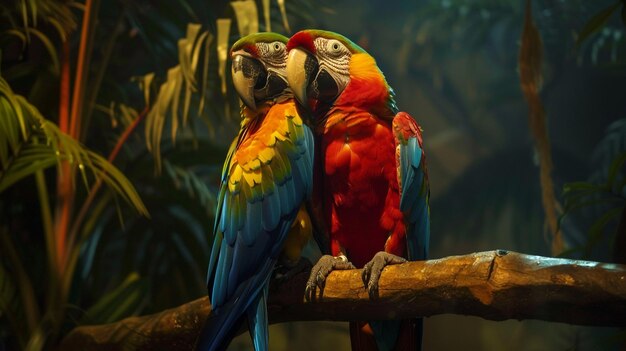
(307, 37)
(258, 68)
(250, 41)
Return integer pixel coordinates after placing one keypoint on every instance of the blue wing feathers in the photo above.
(417, 152)
(253, 222)
(290, 190)
(224, 322)
(272, 210)
(250, 228)
(414, 197)
(223, 220)
(414, 194)
(217, 244)
(257, 317)
(298, 182)
(219, 290)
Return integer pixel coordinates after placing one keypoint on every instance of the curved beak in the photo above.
(301, 66)
(246, 72)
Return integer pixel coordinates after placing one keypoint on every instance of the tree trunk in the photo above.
(495, 285)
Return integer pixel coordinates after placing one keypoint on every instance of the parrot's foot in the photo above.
(373, 269)
(321, 270)
(285, 271)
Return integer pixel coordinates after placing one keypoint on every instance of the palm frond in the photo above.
(121, 302)
(174, 243)
(30, 143)
(247, 16)
(603, 196)
(608, 149)
(223, 34)
(57, 13)
(168, 98)
(188, 181)
(24, 36)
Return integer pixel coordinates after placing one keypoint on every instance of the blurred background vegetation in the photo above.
(115, 117)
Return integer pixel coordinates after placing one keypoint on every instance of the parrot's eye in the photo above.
(276, 47)
(335, 47)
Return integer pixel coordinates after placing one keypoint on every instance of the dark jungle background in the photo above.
(113, 110)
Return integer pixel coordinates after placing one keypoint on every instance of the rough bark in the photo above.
(495, 285)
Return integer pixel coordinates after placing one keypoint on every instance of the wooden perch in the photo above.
(495, 285)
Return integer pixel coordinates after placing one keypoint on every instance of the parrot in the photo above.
(266, 179)
(370, 180)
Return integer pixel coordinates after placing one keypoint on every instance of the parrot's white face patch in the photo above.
(273, 55)
(334, 57)
(332, 50)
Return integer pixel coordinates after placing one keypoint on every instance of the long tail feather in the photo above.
(257, 322)
(226, 319)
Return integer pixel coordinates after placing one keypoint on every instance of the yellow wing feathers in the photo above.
(252, 162)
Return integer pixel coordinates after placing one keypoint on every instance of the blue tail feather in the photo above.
(257, 322)
(225, 319)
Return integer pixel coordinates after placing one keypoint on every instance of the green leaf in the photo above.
(283, 14)
(37, 339)
(247, 16)
(597, 229)
(186, 47)
(188, 181)
(123, 301)
(43, 145)
(616, 166)
(166, 100)
(578, 186)
(205, 73)
(223, 33)
(596, 22)
(266, 15)
(180, 84)
(581, 204)
(34, 158)
(145, 84)
(49, 46)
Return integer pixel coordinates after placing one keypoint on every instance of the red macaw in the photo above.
(267, 176)
(370, 178)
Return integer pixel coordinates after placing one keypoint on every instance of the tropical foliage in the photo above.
(73, 87)
(602, 198)
(115, 117)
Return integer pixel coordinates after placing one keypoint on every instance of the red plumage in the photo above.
(364, 150)
(360, 187)
(303, 40)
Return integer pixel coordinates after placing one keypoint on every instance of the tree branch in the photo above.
(495, 285)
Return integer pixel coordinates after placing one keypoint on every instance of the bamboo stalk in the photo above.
(64, 181)
(82, 67)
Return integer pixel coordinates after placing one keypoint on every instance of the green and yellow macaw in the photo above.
(370, 181)
(267, 176)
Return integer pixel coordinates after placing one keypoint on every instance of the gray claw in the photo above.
(373, 269)
(321, 270)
